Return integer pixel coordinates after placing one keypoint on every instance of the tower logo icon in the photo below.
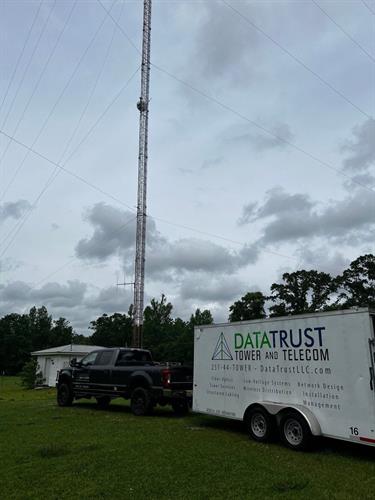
(222, 351)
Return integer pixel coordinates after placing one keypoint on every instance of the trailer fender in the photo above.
(277, 409)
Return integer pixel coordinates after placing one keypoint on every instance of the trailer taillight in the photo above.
(166, 377)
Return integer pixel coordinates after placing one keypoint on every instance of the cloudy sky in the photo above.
(261, 152)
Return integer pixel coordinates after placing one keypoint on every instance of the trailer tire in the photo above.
(141, 402)
(260, 424)
(295, 431)
(180, 407)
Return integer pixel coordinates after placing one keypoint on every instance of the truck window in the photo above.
(89, 359)
(126, 358)
(142, 357)
(104, 358)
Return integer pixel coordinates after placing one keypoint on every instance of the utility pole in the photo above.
(142, 105)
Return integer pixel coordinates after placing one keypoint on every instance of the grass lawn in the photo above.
(51, 452)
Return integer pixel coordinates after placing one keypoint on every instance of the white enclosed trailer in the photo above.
(305, 375)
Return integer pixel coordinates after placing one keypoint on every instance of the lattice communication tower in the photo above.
(142, 105)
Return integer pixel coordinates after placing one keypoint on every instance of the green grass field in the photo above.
(51, 452)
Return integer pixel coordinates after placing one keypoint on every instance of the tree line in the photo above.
(171, 338)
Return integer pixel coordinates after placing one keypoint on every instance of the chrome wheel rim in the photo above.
(293, 432)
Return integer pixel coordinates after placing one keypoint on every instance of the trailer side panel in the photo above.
(321, 362)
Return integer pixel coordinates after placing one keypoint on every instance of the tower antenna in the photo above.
(142, 105)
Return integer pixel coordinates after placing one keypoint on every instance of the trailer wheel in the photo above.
(260, 424)
(180, 407)
(295, 432)
(141, 402)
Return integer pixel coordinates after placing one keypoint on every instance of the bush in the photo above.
(28, 374)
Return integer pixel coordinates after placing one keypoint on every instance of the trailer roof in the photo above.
(339, 312)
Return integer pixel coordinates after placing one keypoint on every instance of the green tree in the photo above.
(302, 292)
(61, 333)
(15, 343)
(186, 342)
(158, 312)
(111, 331)
(250, 306)
(40, 325)
(200, 318)
(80, 339)
(158, 327)
(357, 283)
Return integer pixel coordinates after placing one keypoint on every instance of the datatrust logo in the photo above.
(298, 344)
(222, 351)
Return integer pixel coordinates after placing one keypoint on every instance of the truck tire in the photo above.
(260, 424)
(295, 432)
(140, 402)
(64, 395)
(103, 402)
(180, 407)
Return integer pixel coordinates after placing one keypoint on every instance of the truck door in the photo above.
(122, 370)
(82, 372)
(100, 371)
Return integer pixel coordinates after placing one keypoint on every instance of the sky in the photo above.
(261, 149)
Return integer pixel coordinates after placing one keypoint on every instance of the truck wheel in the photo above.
(103, 402)
(260, 425)
(140, 402)
(64, 395)
(295, 432)
(180, 407)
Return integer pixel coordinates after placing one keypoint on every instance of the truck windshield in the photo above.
(89, 359)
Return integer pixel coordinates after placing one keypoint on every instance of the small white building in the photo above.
(51, 361)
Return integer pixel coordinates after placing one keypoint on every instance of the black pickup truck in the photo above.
(128, 373)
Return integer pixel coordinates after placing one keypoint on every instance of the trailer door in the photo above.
(371, 343)
(369, 437)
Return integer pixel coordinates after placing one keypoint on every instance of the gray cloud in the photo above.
(50, 294)
(224, 47)
(57, 295)
(319, 258)
(13, 209)
(209, 290)
(114, 229)
(191, 254)
(74, 300)
(212, 162)
(164, 257)
(277, 202)
(112, 299)
(259, 141)
(17, 292)
(361, 149)
(114, 233)
(296, 217)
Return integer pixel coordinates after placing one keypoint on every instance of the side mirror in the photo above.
(73, 362)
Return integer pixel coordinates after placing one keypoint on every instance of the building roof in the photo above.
(67, 349)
